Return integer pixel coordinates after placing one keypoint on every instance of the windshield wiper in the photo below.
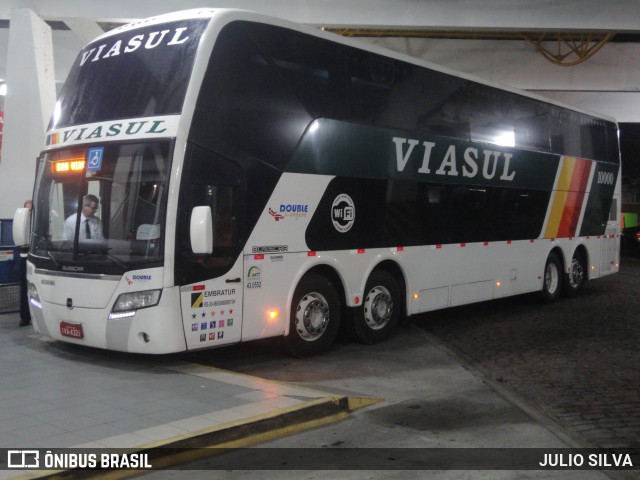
(105, 252)
(55, 262)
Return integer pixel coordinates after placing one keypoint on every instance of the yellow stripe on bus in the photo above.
(560, 197)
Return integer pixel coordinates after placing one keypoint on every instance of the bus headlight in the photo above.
(32, 293)
(128, 302)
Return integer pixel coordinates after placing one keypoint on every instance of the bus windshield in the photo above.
(111, 214)
(140, 72)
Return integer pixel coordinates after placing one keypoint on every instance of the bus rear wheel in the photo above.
(575, 280)
(315, 316)
(378, 316)
(552, 280)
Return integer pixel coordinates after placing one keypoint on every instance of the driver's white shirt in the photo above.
(95, 228)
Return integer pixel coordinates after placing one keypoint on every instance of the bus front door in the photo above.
(212, 310)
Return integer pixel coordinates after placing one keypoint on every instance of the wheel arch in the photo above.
(560, 253)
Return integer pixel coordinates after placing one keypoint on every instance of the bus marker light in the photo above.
(356, 300)
(259, 256)
(498, 284)
(416, 296)
(311, 254)
(273, 314)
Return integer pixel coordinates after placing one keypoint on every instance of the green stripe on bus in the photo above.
(332, 147)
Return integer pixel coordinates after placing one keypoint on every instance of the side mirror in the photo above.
(201, 230)
(22, 227)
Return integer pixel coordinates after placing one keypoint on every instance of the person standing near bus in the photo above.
(25, 315)
(90, 226)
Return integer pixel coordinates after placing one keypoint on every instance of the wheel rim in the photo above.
(378, 308)
(551, 278)
(576, 273)
(312, 316)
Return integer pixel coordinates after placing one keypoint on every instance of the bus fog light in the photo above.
(35, 303)
(136, 300)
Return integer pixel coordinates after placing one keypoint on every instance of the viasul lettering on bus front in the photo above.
(149, 41)
(129, 129)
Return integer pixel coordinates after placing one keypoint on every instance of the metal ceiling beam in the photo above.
(518, 15)
(567, 49)
(560, 48)
(85, 29)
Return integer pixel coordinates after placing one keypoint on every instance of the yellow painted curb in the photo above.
(356, 403)
(196, 445)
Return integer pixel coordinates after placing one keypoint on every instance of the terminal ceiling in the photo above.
(582, 52)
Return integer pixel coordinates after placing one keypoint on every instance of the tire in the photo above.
(576, 279)
(381, 307)
(315, 316)
(552, 279)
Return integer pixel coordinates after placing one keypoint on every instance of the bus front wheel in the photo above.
(552, 279)
(315, 316)
(378, 316)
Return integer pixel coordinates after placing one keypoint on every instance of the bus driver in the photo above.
(90, 227)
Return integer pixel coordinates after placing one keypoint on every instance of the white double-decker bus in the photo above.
(215, 176)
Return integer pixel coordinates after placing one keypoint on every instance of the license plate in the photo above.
(73, 330)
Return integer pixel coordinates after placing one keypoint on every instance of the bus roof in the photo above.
(225, 16)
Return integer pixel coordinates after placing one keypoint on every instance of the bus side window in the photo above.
(224, 219)
(220, 198)
(214, 182)
(370, 86)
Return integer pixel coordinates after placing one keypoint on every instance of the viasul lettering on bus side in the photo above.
(467, 163)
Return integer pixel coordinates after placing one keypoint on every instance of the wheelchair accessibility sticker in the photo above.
(94, 158)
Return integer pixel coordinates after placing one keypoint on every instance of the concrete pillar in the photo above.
(31, 95)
